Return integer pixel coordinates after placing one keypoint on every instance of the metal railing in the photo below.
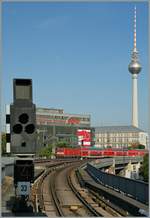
(135, 189)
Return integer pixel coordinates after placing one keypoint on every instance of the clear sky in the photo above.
(77, 55)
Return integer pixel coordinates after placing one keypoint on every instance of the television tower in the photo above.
(134, 68)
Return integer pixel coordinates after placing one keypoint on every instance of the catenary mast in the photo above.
(134, 68)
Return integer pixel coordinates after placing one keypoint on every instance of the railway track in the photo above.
(40, 189)
(89, 199)
(60, 194)
(68, 202)
(55, 196)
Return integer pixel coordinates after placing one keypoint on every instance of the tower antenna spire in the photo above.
(134, 67)
(135, 29)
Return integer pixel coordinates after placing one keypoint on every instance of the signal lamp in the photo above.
(17, 128)
(30, 128)
(23, 118)
(23, 144)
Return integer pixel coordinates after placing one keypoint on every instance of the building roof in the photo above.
(117, 129)
(59, 112)
(49, 110)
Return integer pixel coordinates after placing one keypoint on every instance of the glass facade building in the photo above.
(54, 125)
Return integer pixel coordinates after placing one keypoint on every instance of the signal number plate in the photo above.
(23, 188)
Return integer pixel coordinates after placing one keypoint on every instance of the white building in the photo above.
(119, 136)
(131, 171)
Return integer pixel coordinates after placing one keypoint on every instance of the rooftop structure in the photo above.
(57, 117)
(112, 129)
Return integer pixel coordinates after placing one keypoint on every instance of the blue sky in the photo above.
(77, 55)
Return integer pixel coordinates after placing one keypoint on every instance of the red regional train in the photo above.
(91, 153)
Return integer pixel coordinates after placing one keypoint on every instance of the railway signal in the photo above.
(21, 125)
(23, 118)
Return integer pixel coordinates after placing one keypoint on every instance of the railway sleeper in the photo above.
(84, 194)
(36, 198)
(106, 203)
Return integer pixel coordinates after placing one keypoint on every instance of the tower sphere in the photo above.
(134, 67)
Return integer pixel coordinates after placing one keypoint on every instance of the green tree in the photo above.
(46, 152)
(62, 144)
(141, 146)
(144, 170)
(3, 143)
(137, 146)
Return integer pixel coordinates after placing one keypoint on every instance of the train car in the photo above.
(87, 152)
(68, 152)
(96, 153)
(143, 152)
(133, 153)
(108, 152)
(137, 152)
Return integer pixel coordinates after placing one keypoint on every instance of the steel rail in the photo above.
(54, 195)
(88, 206)
(39, 204)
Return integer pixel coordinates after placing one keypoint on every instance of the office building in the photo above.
(120, 137)
(54, 125)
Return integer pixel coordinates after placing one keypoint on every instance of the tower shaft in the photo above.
(134, 101)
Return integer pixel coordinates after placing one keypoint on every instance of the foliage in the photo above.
(141, 146)
(46, 152)
(62, 144)
(144, 170)
(3, 143)
(137, 146)
(130, 148)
